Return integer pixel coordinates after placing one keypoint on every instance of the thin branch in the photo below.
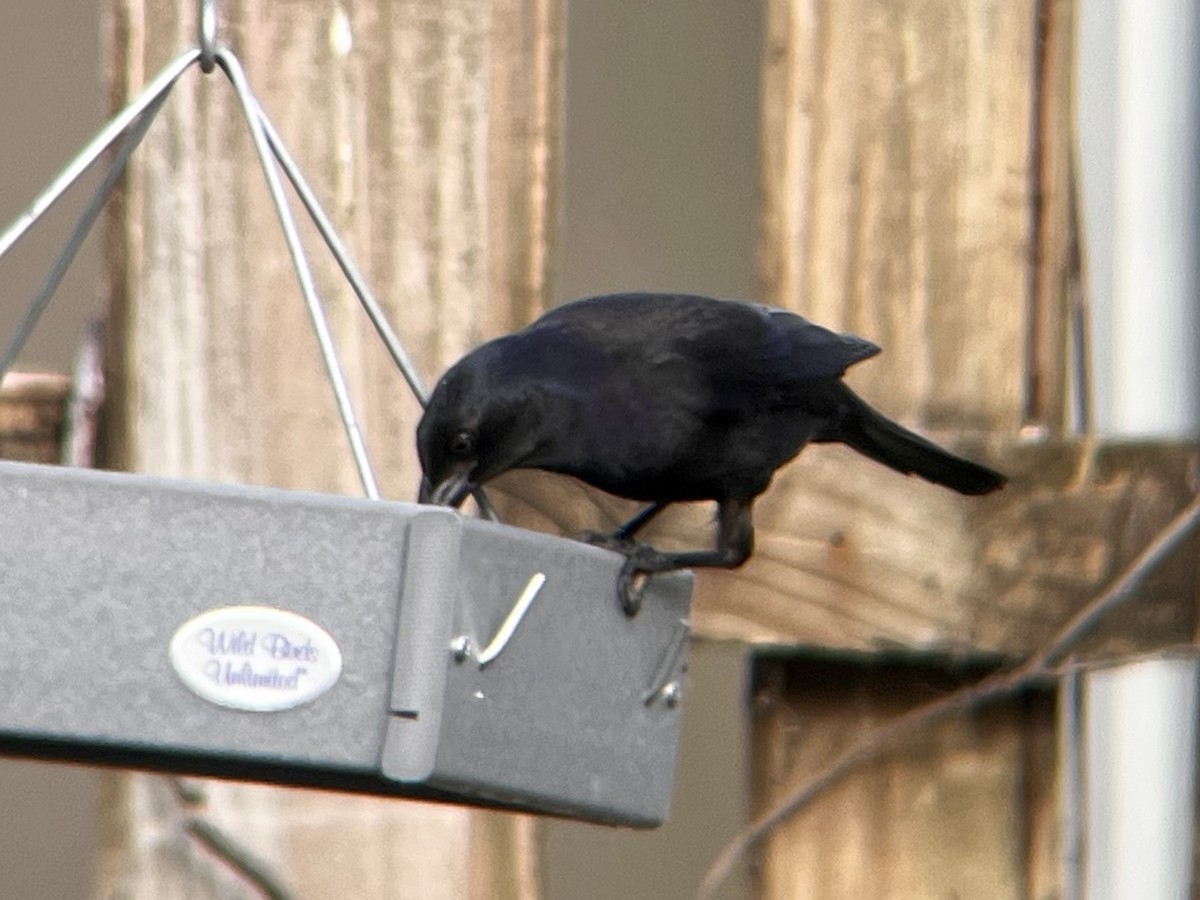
(1121, 590)
(995, 687)
(230, 851)
(256, 872)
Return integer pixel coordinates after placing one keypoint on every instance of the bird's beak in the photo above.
(425, 494)
(452, 490)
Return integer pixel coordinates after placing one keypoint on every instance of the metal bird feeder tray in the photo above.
(310, 639)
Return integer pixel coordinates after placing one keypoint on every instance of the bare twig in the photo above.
(230, 851)
(999, 686)
(1122, 589)
(256, 872)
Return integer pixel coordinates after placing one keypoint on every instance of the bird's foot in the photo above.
(631, 584)
(640, 561)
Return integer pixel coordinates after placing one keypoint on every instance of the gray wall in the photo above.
(662, 162)
(661, 193)
(51, 101)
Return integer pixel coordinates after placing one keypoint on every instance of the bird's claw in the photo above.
(640, 561)
(631, 584)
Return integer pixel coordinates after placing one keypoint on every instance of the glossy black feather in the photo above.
(665, 397)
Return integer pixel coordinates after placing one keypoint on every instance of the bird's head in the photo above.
(476, 426)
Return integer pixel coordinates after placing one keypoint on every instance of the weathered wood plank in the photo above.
(1052, 377)
(958, 811)
(917, 191)
(897, 194)
(855, 562)
(33, 415)
(917, 188)
(853, 557)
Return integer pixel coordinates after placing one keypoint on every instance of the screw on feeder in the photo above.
(665, 685)
(460, 648)
(671, 694)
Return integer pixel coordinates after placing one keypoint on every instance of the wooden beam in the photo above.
(430, 132)
(33, 412)
(917, 190)
(853, 557)
(917, 186)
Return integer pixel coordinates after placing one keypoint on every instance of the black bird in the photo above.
(664, 398)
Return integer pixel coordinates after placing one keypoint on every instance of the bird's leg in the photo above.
(640, 520)
(619, 540)
(735, 543)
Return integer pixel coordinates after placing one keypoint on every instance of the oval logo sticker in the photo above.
(255, 658)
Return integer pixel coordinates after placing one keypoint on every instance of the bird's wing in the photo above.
(772, 360)
(723, 333)
(798, 351)
(729, 355)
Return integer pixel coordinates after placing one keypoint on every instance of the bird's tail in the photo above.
(878, 437)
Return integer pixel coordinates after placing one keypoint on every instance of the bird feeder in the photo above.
(299, 638)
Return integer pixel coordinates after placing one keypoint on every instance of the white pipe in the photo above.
(1095, 88)
(1156, 223)
(1139, 763)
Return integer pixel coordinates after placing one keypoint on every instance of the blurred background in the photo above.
(923, 173)
(661, 192)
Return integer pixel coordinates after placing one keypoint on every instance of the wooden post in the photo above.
(430, 131)
(966, 808)
(917, 190)
(901, 185)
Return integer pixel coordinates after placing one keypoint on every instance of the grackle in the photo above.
(664, 398)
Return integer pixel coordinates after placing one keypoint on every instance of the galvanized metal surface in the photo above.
(98, 570)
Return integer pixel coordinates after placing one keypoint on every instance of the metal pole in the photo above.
(1139, 131)
(1156, 226)
(1139, 758)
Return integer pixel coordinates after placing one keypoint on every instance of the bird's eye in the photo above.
(462, 445)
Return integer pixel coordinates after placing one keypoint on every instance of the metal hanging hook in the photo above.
(208, 35)
(211, 54)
